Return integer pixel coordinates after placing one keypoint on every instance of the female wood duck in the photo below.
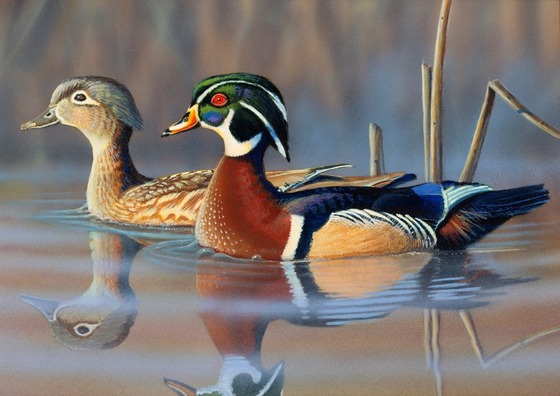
(105, 112)
(243, 215)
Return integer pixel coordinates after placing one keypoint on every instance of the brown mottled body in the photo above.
(117, 192)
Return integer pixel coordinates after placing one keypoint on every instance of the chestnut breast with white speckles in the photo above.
(240, 216)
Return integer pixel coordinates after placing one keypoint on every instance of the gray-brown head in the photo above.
(88, 322)
(94, 105)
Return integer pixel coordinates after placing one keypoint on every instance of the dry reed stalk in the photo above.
(426, 101)
(495, 87)
(522, 110)
(377, 161)
(436, 144)
(479, 134)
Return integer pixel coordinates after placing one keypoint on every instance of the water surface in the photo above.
(129, 307)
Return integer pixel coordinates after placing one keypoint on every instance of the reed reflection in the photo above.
(102, 316)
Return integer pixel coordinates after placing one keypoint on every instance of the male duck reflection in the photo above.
(238, 301)
(105, 112)
(243, 215)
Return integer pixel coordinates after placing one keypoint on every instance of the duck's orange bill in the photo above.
(189, 121)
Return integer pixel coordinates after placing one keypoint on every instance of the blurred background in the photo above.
(339, 63)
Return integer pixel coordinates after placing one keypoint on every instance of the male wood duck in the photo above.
(243, 215)
(105, 112)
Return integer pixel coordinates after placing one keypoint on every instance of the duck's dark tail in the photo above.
(477, 216)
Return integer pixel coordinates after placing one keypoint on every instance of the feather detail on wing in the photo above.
(455, 193)
(354, 181)
(173, 184)
(357, 232)
(288, 180)
(317, 177)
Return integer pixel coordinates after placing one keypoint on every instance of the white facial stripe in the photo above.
(296, 227)
(271, 130)
(232, 147)
(273, 96)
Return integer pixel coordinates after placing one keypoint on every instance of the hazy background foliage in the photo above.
(339, 63)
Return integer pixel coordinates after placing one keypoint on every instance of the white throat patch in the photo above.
(232, 147)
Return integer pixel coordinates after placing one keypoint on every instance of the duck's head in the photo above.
(85, 323)
(97, 106)
(246, 110)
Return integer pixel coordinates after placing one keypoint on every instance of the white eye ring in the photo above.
(82, 98)
(85, 329)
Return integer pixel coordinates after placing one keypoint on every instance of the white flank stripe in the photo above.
(299, 298)
(386, 217)
(412, 228)
(418, 228)
(296, 226)
(429, 242)
(267, 125)
(400, 222)
(274, 97)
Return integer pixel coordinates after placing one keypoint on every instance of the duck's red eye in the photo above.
(219, 100)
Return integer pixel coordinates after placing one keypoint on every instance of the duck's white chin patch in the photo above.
(233, 147)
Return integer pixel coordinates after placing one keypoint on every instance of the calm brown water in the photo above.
(485, 321)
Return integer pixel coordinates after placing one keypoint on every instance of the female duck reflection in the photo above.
(103, 315)
(239, 300)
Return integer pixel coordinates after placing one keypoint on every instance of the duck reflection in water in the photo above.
(102, 316)
(239, 299)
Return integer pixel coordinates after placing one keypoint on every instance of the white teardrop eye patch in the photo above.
(82, 98)
(85, 329)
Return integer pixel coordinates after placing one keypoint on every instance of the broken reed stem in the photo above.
(487, 361)
(495, 87)
(426, 101)
(523, 111)
(436, 144)
(473, 157)
(377, 162)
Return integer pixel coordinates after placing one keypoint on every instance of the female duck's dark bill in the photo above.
(189, 121)
(48, 117)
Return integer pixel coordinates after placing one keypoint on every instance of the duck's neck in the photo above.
(112, 172)
(245, 174)
(241, 214)
(112, 257)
